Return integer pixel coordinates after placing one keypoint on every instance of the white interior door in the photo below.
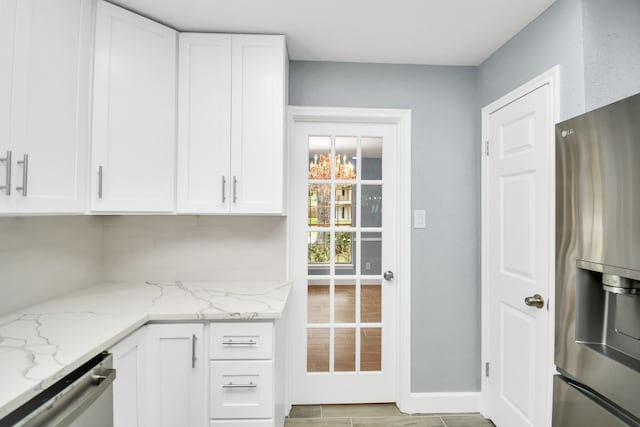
(518, 207)
(343, 308)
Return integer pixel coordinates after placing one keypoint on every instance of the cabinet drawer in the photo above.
(241, 389)
(241, 423)
(233, 341)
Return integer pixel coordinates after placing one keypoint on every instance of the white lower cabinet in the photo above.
(241, 374)
(218, 374)
(129, 388)
(241, 389)
(177, 367)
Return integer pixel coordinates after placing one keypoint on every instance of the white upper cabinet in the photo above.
(232, 100)
(134, 109)
(257, 122)
(45, 68)
(7, 34)
(204, 123)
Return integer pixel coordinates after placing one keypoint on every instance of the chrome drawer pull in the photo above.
(99, 182)
(193, 351)
(235, 189)
(242, 342)
(7, 186)
(232, 385)
(224, 189)
(25, 174)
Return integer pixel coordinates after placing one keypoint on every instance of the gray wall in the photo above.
(555, 37)
(445, 332)
(595, 42)
(611, 50)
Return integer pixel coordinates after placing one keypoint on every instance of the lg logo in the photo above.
(566, 133)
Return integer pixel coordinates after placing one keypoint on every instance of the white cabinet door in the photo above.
(133, 156)
(257, 123)
(176, 389)
(204, 123)
(241, 389)
(129, 388)
(7, 34)
(49, 103)
(231, 123)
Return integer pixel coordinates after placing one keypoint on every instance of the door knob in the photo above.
(534, 301)
(388, 275)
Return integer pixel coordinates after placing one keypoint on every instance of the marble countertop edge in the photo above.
(41, 344)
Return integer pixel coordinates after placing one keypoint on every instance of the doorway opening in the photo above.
(344, 237)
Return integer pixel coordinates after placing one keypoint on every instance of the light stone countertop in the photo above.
(43, 343)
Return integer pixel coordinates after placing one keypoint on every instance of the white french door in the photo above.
(518, 258)
(344, 217)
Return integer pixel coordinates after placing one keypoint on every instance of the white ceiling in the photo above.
(438, 32)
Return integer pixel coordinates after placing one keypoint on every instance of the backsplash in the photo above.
(43, 257)
(194, 248)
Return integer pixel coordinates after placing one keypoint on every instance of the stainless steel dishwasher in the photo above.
(84, 398)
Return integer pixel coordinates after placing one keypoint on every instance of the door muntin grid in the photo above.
(344, 292)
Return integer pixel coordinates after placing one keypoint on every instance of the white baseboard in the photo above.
(430, 403)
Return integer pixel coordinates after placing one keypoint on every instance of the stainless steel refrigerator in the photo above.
(597, 339)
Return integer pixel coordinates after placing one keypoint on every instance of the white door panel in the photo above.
(7, 35)
(204, 123)
(176, 389)
(51, 104)
(257, 127)
(130, 387)
(133, 113)
(519, 199)
(344, 312)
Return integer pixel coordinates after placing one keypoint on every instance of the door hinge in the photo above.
(486, 369)
(486, 147)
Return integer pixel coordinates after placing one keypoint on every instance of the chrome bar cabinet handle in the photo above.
(235, 188)
(7, 183)
(224, 189)
(242, 342)
(232, 385)
(99, 182)
(25, 174)
(193, 351)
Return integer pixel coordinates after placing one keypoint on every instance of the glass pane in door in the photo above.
(371, 158)
(345, 349)
(370, 349)
(318, 302)
(319, 253)
(344, 297)
(319, 202)
(318, 350)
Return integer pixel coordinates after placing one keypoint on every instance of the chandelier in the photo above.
(321, 168)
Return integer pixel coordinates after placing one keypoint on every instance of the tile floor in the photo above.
(375, 415)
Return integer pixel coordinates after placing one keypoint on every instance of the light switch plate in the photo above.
(419, 218)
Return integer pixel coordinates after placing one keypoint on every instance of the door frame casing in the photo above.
(550, 77)
(402, 120)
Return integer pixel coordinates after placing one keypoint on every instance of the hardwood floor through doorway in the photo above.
(345, 338)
